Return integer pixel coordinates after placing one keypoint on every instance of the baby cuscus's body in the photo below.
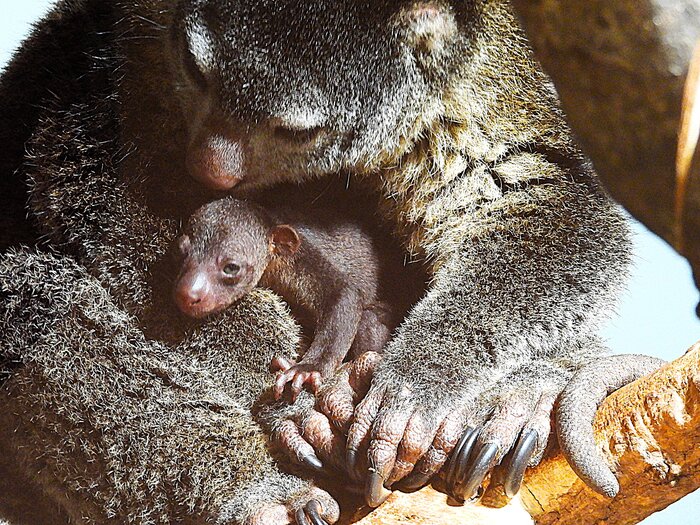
(328, 266)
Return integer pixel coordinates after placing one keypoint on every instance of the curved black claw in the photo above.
(519, 460)
(312, 462)
(414, 482)
(301, 518)
(460, 455)
(376, 493)
(475, 472)
(351, 463)
(314, 510)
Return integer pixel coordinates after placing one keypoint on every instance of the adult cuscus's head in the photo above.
(279, 90)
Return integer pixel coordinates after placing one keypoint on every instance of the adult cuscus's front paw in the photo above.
(400, 439)
(312, 433)
(315, 507)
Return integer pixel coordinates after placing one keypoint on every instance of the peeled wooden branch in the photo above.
(650, 430)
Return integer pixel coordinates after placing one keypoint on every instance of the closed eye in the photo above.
(297, 135)
(194, 46)
(193, 70)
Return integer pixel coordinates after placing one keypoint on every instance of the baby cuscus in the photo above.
(328, 266)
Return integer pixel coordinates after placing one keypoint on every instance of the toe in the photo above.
(416, 441)
(446, 439)
(297, 448)
(328, 444)
(358, 435)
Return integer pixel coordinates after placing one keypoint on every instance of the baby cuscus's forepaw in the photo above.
(576, 411)
(297, 375)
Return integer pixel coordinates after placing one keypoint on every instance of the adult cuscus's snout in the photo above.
(217, 162)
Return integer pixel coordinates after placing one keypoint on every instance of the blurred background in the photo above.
(656, 314)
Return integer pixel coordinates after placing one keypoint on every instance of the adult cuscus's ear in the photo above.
(428, 26)
(285, 240)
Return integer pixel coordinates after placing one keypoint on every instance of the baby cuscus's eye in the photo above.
(232, 269)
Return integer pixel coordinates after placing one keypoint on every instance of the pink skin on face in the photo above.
(208, 287)
(194, 295)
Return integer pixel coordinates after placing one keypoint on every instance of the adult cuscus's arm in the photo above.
(125, 428)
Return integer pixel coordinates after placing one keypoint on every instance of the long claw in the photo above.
(301, 518)
(297, 386)
(314, 510)
(479, 468)
(312, 461)
(375, 492)
(460, 458)
(351, 463)
(519, 462)
(414, 482)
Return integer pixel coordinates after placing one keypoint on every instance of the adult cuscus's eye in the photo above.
(297, 135)
(194, 70)
(301, 128)
(197, 51)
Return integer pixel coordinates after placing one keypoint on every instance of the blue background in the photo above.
(656, 315)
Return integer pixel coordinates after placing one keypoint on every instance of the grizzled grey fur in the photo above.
(124, 413)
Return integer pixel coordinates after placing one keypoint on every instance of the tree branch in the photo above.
(650, 430)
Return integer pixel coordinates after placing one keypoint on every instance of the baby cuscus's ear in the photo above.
(285, 240)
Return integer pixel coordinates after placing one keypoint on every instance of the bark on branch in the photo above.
(650, 430)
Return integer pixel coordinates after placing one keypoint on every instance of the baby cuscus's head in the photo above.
(225, 248)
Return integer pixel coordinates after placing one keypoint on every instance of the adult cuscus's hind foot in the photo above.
(576, 411)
